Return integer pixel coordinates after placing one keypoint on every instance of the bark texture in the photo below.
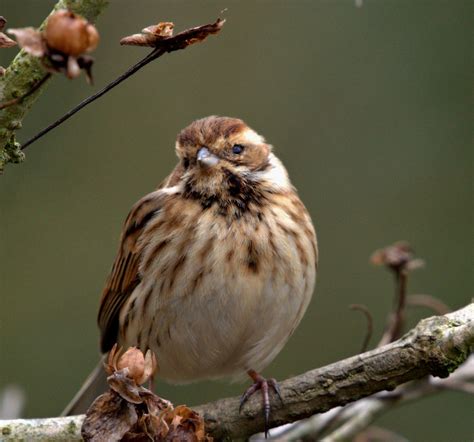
(436, 346)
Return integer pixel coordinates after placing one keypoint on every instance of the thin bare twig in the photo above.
(428, 301)
(396, 318)
(370, 324)
(153, 55)
(162, 46)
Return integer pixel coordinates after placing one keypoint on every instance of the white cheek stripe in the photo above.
(276, 175)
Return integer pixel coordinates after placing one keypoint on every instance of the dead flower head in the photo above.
(63, 43)
(130, 412)
(133, 363)
(397, 257)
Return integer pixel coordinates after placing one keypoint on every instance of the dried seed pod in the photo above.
(134, 360)
(70, 33)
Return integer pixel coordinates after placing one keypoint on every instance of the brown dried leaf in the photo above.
(154, 403)
(6, 42)
(184, 425)
(30, 40)
(138, 40)
(148, 428)
(160, 36)
(162, 30)
(108, 418)
(150, 35)
(194, 35)
(125, 386)
(111, 364)
(150, 366)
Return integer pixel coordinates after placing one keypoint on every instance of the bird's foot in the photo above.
(260, 383)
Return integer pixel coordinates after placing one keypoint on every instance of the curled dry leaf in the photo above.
(126, 387)
(184, 424)
(150, 35)
(108, 418)
(161, 36)
(5, 42)
(30, 40)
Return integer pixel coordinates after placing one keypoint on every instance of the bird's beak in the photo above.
(206, 158)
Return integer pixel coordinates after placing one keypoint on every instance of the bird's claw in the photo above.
(260, 383)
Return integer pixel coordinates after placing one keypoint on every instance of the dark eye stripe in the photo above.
(237, 149)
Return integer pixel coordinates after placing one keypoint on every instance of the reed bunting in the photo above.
(216, 267)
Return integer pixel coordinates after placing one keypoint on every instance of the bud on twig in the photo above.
(62, 44)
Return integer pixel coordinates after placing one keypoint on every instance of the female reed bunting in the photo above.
(216, 267)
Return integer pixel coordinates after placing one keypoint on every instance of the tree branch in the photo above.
(436, 346)
(343, 423)
(24, 72)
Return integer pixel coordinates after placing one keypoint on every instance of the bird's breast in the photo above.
(223, 294)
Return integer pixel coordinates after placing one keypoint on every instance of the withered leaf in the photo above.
(30, 40)
(6, 42)
(163, 29)
(108, 418)
(160, 36)
(184, 425)
(125, 386)
(154, 403)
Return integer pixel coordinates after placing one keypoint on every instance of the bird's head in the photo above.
(224, 158)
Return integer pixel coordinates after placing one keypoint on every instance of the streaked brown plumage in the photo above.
(215, 268)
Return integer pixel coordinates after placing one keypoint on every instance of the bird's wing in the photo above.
(124, 276)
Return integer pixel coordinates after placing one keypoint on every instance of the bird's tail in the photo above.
(94, 385)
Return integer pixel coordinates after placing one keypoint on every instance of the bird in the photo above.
(217, 266)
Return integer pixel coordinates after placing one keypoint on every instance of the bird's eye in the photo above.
(237, 149)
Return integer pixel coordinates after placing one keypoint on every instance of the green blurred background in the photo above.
(370, 109)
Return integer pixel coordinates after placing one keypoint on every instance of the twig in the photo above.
(430, 302)
(355, 417)
(370, 324)
(153, 55)
(397, 318)
(163, 45)
(436, 346)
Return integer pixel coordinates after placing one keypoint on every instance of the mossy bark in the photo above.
(24, 72)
